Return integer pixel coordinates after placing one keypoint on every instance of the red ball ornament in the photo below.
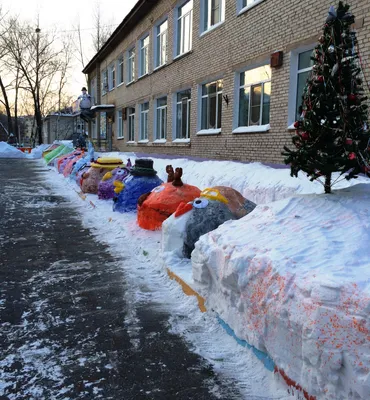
(352, 97)
(305, 136)
(349, 141)
(352, 156)
(320, 79)
(296, 124)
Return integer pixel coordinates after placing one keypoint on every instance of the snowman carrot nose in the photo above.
(183, 208)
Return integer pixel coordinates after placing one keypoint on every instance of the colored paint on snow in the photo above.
(264, 357)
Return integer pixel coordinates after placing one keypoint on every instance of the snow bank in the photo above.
(293, 279)
(7, 151)
(37, 152)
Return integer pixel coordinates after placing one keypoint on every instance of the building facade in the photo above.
(217, 79)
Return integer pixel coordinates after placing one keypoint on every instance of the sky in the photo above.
(65, 16)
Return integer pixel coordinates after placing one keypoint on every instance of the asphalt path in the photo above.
(64, 326)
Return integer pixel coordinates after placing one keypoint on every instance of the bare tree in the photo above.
(41, 60)
(102, 31)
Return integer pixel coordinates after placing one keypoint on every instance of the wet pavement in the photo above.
(64, 326)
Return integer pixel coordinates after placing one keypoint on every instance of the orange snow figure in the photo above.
(161, 202)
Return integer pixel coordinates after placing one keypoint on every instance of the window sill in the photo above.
(143, 76)
(103, 94)
(245, 9)
(181, 141)
(178, 57)
(121, 84)
(131, 142)
(160, 67)
(160, 141)
(251, 129)
(120, 138)
(130, 83)
(211, 28)
(144, 141)
(291, 127)
(111, 90)
(209, 132)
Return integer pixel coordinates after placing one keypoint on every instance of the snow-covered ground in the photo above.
(291, 278)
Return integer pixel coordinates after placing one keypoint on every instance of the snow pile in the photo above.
(37, 151)
(7, 151)
(293, 279)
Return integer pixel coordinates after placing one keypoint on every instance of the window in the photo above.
(119, 125)
(144, 56)
(131, 65)
(246, 3)
(304, 68)
(254, 96)
(93, 91)
(183, 101)
(301, 66)
(144, 111)
(103, 125)
(211, 105)
(161, 44)
(184, 28)
(131, 124)
(112, 77)
(120, 70)
(213, 13)
(104, 82)
(94, 129)
(161, 118)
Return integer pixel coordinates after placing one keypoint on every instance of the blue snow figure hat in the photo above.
(143, 179)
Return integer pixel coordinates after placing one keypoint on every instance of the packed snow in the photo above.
(8, 151)
(290, 278)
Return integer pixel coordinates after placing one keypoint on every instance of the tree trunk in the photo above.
(328, 183)
(7, 107)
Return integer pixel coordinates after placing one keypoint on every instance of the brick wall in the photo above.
(241, 41)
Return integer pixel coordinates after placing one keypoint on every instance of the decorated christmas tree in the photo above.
(332, 133)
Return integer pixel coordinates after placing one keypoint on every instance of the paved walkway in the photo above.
(64, 331)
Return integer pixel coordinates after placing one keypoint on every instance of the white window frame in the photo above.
(131, 124)
(206, 15)
(242, 8)
(176, 103)
(179, 50)
(208, 131)
(104, 82)
(158, 113)
(248, 128)
(111, 77)
(131, 54)
(144, 56)
(120, 133)
(120, 70)
(159, 38)
(293, 82)
(94, 134)
(144, 114)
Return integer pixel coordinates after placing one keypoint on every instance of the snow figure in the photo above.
(53, 158)
(81, 171)
(108, 183)
(71, 163)
(162, 201)
(91, 178)
(142, 180)
(191, 220)
(62, 161)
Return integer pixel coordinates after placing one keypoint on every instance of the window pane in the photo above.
(184, 94)
(301, 83)
(162, 102)
(255, 105)
(204, 113)
(164, 123)
(304, 60)
(184, 118)
(212, 112)
(186, 8)
(256, 75)
(244, 107)
(215, 12)
(266, 103)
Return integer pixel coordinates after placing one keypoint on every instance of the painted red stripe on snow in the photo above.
(292, 383)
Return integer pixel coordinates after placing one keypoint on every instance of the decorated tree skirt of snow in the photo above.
(290, 281)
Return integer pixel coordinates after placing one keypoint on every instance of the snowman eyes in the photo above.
(120, 172)
(200, 203)
(158, 189)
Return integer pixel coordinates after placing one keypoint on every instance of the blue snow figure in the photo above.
(143, 179)
(82, 162)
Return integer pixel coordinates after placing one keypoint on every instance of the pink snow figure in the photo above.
(70, 164)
